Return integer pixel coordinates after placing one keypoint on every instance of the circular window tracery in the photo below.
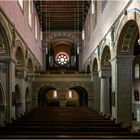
(62, 58)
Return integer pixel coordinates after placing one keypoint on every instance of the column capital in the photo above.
(105, 72)
(95, 73)
(122, 57)
(7, 59)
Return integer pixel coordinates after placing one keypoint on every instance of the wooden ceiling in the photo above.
(62, 14)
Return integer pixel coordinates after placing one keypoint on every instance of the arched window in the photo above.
(30, 12)
(36, 31)
(137, 69)
(20, 2)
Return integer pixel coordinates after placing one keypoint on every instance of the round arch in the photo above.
(127, 38)
(65, 36)
(83, 95)
(45, 97)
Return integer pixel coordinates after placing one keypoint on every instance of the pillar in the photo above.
(62, 92)
(96, 91)
(104, 90)
(10, 111)
(122, 87)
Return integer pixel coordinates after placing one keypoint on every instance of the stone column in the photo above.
(122, 86)
(104, 91)
(96, 91)
(10, 111)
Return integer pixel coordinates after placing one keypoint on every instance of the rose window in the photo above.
(62, 58)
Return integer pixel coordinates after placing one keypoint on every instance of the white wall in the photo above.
(105, 20)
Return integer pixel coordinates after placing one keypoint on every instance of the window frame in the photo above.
(29, 13)
(21, 7)
(36, 27)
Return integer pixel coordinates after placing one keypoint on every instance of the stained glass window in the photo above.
(62, 58)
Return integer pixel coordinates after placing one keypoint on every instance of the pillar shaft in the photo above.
(122, 87)
(96, 91)
(104, 97)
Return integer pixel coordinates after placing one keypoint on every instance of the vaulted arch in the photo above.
(127, 38)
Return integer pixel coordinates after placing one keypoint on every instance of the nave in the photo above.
(65, 123)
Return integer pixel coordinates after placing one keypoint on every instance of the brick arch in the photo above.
(127, 38)
(127, 30)
(105, 57)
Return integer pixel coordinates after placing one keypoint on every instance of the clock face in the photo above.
(62, 58)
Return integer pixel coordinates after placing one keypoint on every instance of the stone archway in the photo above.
(83, 95)
(105, 78)
(48, 96)
(122, 67)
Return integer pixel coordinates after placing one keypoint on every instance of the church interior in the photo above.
(70, 69)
